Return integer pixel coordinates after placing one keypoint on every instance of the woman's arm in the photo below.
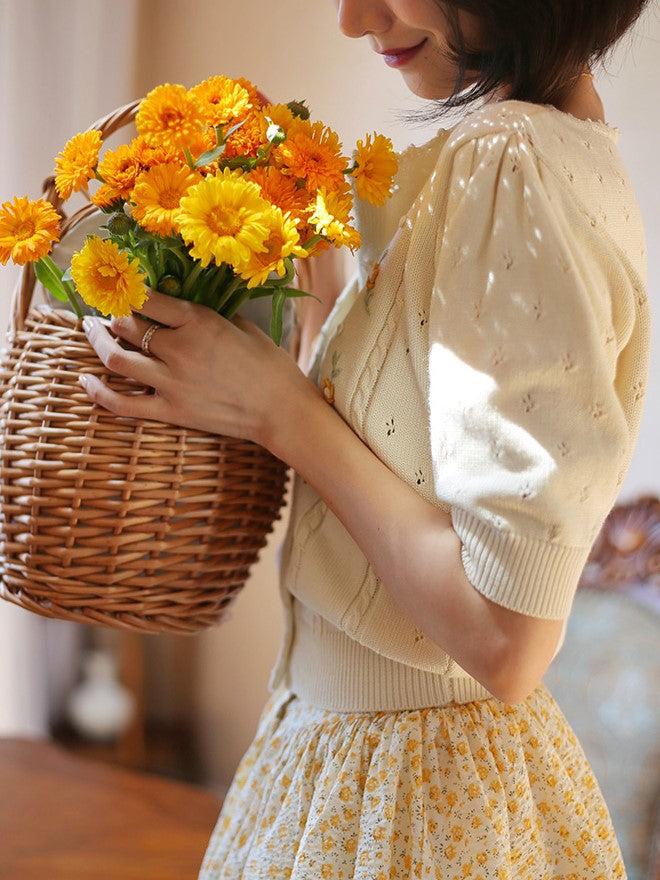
(264, 396)
(413, 549)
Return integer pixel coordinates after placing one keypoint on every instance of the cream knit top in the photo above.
(493, 352)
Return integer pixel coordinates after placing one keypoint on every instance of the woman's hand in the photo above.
(208, 373)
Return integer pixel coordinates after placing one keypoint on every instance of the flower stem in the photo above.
(226, 295)
(73, 300)
(190, 279)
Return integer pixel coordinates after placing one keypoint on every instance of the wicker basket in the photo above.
(109, 520)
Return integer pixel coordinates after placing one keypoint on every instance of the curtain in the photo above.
(63, 64)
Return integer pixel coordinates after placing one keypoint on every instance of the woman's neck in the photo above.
(580, 100)
(583, 101)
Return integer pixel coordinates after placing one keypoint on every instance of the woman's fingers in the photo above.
(127, 363)
(134, 406)
(168, 309)
(133, 330)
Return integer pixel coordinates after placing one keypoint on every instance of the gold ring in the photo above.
(146, 339)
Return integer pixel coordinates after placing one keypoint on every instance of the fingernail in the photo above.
(84, 381)
(88, 324)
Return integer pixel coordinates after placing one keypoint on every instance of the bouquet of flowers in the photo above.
(213, 201)
(140, 524)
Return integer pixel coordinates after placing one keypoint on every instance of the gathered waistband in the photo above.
(330, 670)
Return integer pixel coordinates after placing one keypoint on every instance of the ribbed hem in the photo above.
(525, 575)
(332, 671)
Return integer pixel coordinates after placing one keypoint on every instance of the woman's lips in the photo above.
(399, 57)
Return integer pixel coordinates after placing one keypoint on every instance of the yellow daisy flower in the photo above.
(376, 166)
(76, 164)
(226, 219)
(119, 170)
(330, 215)
(27, 230)
(107, 280)
(170, 116)
(223, 100)
(157, 195)
(283, 241)
(313, 152)
(248, 138)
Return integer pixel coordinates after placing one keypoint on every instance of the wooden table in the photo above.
(69, 818)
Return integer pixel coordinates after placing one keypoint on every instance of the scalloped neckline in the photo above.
(595, 124)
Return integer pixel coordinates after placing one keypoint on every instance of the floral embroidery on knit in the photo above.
(371, 283)
(328, 384)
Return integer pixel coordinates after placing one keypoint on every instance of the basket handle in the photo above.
(22, 296)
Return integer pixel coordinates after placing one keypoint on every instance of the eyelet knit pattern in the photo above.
(496, 340)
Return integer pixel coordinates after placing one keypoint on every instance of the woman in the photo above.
(465, 427)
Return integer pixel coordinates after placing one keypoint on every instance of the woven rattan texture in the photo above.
(115, 521)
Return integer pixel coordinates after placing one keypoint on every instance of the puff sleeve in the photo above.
(532, 420)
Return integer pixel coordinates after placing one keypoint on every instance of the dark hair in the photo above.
(538, 47)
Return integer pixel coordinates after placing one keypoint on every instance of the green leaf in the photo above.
(50, 275)
(288, 276)
(210, 156)
(234, 128)
(291, 292)
(279, 298)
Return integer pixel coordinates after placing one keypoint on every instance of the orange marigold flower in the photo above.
(76, 164)
(170, 116)
(119, 170)
(280, 115)
(27, 230)
(248, 138)
(251, 89)
(376, 166)
(157, 196)
(106, 279)
(205, 141)
(283, 241)
(281, 190)
(146, 155)
(313, 153)
(223, 100)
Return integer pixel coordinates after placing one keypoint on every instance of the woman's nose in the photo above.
(356, 18)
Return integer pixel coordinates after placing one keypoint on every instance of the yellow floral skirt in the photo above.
(478, 791)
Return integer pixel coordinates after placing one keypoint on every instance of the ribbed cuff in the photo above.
(532, 577)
